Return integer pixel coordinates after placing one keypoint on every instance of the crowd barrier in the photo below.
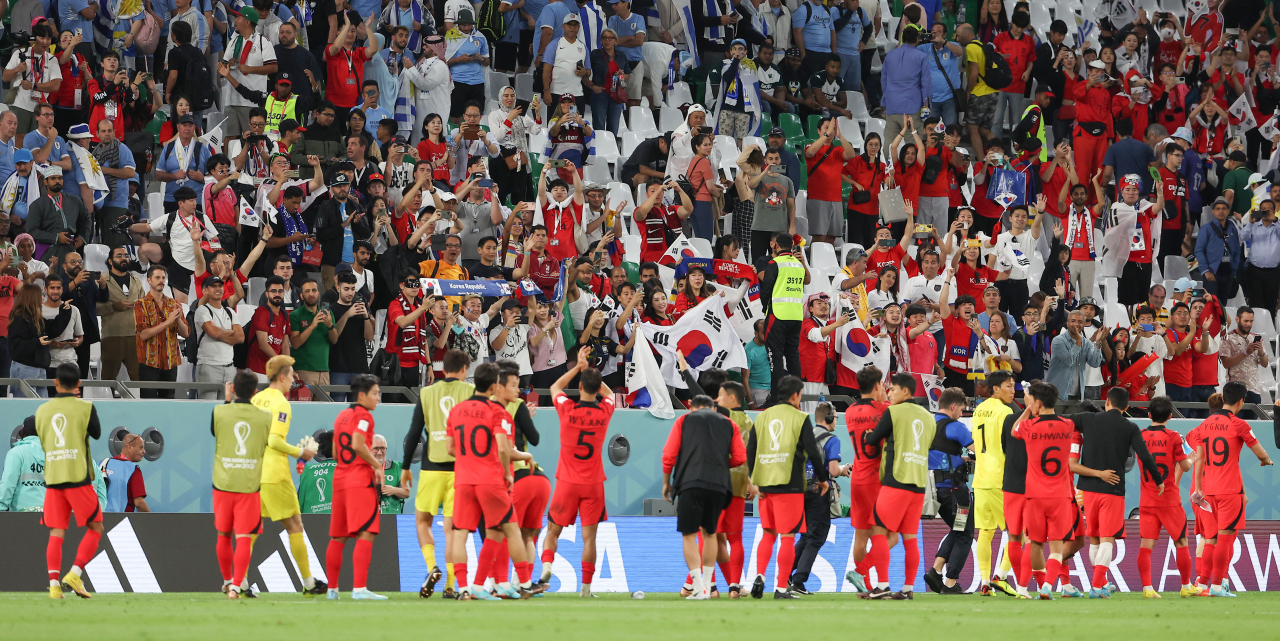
(176, 553)
(180, 479)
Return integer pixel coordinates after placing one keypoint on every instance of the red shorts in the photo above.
(862, 505)
(1228, 509)
(237, 512)
(529, 496)
(731, 517)
(355, 510)
(60, 503)
(577, 500)
(473, 502)
(1206, 522)
(1015, 506)
(1051, 519)
(898, 510)
(1169, 517)
(1104, 515)
(782, 513)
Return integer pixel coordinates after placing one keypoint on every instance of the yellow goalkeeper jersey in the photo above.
(275, 461)
(988, 421)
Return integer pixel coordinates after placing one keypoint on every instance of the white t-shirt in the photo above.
(451, 8)
(180, 240)
(921, 288)
(1007, 346)
(877, 299)
(48, 68)
(260, 52)
(1022, 242)
(516, 346)
(74, 328)
(213, 351)
(364, 281)
(1153, 345)
(588, 217)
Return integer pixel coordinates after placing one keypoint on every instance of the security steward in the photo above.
(781, 297)
(950, 464)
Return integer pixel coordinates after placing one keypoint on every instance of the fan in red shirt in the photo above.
(960, 330)
(1175, 217)
(579, 492)
(885, 251)
(1217, 476)
(1051, 515)
(1182, 338)
(864, 475)
(1094, 122)
(357, 489)
(1019, 50)
(481, 433)
(537, 263)
(908, 171)
(972, 277)
(658, 219)
(1163, 509)
(269, 328)
(560, 213)
(345, 64)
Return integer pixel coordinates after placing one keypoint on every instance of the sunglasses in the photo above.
(411, 284)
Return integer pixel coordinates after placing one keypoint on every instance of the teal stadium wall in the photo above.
(180, 480)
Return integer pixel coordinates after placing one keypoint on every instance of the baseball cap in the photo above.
(466, 16)
(186, 118)
(1238, 156)
(739, 41)
(22, 155)
(1183, 285)
(248, 13)
(1256, 178)
(446, 196)
(777, 131)
(512, 303)
(1088, 300)
(78, 131)
(284, 77)
(795, 52)
(289, 124)
(1098, 64)
(339, 178)
(568, 97)
(213, 281)
(573, 17)
(1220, 201)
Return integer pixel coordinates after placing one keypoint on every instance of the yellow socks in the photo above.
(450, 580)
(984, 554)
(429, 555)
(298, 547)
(1005, 563)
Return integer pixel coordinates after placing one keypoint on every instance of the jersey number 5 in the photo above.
(591, 449)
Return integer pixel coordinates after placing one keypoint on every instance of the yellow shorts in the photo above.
(279, 500)
(988, 509)
(435, 489)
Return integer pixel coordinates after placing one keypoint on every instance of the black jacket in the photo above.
(329, 229)
(706, 438)
(1108, 439)
(24, 338)
(85, 297)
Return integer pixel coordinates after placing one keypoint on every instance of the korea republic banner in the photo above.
(703, 335)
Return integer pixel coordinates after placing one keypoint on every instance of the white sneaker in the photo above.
(700, 595)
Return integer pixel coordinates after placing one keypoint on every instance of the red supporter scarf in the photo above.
(733, 270)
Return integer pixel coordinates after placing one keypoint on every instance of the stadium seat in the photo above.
(811, 132)
(857, 104)
(538, 142)
(1040, 18)
(876, 125)
(620, 192)
(641, 122)
(631, 248)
(728, 148)
(629, 142)
(1175, 267)
(818, 283)
(606, 147)
(757, 141)
(823, 256)
(802, 228)
(766, 124)
(596, 172)
(851, 131)
(679, 95)
(494, 83)
(671, 118)
(1263, 324)
(155, 205)
(524, 86)
(790, 124)
(702, 246)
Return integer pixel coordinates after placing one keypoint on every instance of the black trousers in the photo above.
(148, 373)
(1262, 287)
(1013, 296)
(759, 244)
(956, 544)
(817, 522)
(1225, 284)
(783, 343)
(1170, 244)
(861, 228)
(957, 379)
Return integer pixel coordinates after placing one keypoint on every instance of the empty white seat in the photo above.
(538, 142)
(641, 120)
(631, 248)
(494, 82)
(619, 192)
(630, 141)
(1262, 324)
(857, 105)
(702, 246)
(876, 125)
(524, 86)
(671, 118)
(823, 256)
(606, 146)
(155, 205)
(679, 95)
(1175, 267)
(596, 172)
(728, 148)
(802, 228)
(622, 127)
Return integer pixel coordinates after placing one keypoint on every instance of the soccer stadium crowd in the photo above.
(967, 198)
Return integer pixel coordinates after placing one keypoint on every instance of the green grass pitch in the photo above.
(618, 617)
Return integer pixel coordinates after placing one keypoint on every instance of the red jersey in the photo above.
(1206, 28)
(860, 418)
(908, 178)
(1166, 448)
(814, 356)
(472, 426)
(345, 74)
(1140, 242)
(560, 222)
(1177, 369)
(276, 327)
(1174, 187)
(1168, 53)
(961, 343)
(545, 271)
(352, 471)
(973, 282)
(1050, 440)
(583, 428)
(1229, 80)
(654, 230)
(941, 184)
(877, 259)
(1223, 435)
(70, 93)
(983, 205)
(1019, 53)
(1052, 188)
(1210, 135)
(1204, 367)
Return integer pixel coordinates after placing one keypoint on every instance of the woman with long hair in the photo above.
(1068, 70)
(886, 290)
(866, 173)
(696, 290)
(1108, 57)
(909, 171)
(168, 130)
(511, 126)
(29, 336)
(992, 20)
(655, 308)
(705, 186)
(971, 276)
(547, 347)
(356, 121)
(434, 149)
(750, 173)
(1006, 356)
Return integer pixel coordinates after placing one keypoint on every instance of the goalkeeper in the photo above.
(279, 497)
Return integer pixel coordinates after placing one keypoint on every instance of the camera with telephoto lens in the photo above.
(17, 40)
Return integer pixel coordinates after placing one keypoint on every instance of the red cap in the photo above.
(375, 176)
(568, 96)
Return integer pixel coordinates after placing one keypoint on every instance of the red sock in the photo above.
(548, 556)
(1052, 569)
(764, 552)
(588, 572)
(688, 579)
(1184, 564)
(912, 559)
(501, 570)
(53, 555)
(1039, 576)
(1100, 575)
(1024, 565)
(460, 573)
(1206, 562)
(333, 562)
(1144, 566)
(733, 572)
(360, 559)
(225, 556)
(88, 546)
(786, 560)
(1015, 562)
(524, 572)
(243, 557)
(880, 557)
(484, 564)
(1064, 571)
(1222, 558)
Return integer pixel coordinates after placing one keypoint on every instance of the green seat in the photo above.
(814, 120)
(803, 182)
(790, 124)
(156, 125)
(766, 124)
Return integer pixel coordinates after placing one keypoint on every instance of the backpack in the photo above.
(191, 348)
(149, 35)
(491, 22)
(995, 72)
(199, 83)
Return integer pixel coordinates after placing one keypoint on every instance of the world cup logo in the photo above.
(321, 486)
(59, 422)
(917, 429)
(242, 430)
(775, 435)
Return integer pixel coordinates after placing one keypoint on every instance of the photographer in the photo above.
(818, 505)
(56, 220)
(36, 73)
(949, 462)
(84, 290)
(348, 355)
(251, 152)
